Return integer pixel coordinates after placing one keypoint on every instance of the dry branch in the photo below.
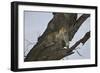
(78, 23)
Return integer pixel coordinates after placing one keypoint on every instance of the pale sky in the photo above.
(36, 23)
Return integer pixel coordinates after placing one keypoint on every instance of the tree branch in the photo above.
(78, 23)
(83, 40)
